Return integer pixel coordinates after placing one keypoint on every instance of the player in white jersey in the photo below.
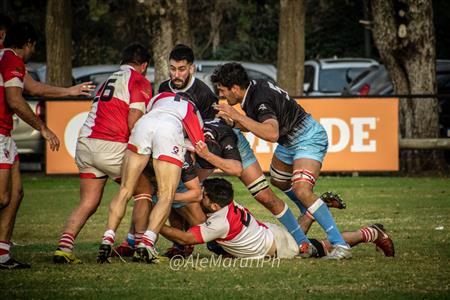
(237, 231)
(103, 138)
(160, 133)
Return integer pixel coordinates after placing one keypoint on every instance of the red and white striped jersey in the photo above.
(181, 108)
(12, 73)
(108, 118)
(237, 231)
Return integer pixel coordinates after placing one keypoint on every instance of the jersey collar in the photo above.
(245, 95)
(124, 67)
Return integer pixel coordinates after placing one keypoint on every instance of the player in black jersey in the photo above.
(182, 79)
(302, 142)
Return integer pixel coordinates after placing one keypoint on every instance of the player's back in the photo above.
(108, 118)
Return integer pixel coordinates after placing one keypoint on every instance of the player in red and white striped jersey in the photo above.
(103, 138)
(20, 43)
(160, 133)
(237, 231)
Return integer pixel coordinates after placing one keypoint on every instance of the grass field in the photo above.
(415, 211)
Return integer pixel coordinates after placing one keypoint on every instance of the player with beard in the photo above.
(182, 79)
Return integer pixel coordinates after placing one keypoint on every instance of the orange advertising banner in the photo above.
(65, 118)
(362, 134)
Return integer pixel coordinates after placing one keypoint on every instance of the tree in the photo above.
(403, 32)
(291, 46)
(58, 29)
(180, 20)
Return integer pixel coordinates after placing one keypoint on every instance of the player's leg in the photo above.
(12, 194)
(167, 177)
(132, 168)
(371, 234)
(255, 181)
(91, 191)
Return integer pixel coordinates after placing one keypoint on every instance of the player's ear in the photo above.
(192, 68)
(215, 206)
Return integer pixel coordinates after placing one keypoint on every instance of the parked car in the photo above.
(204, 69)
(329, 76)
(376, 81)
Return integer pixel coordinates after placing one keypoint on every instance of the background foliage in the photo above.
(249, 31)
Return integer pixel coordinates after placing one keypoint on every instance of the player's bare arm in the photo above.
(39, 89)
(230, 166)
(267, 130)
(133, 115)
(178, 236)
(193, 193)
(18, 104)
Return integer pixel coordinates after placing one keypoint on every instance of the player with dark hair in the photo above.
(302, 142)
(182, 79)
(102, 141)
(241, 235)
(20, 43)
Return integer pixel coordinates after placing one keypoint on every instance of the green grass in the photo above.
(410, 208)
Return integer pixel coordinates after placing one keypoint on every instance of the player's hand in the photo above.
(48, 135)
(202, 149)
(226, 111)
(82, 89)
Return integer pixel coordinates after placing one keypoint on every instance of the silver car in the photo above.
(330, 76)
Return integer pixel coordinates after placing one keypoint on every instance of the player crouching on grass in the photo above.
(241, 235)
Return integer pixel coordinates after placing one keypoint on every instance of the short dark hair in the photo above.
(230, 74)
(182, 52)
(219, 190)
(5, 21)
(135, 53)
(19, 35)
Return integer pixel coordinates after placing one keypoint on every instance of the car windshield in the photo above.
(334, 80)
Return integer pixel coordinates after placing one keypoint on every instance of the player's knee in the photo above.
(4, 200)
(280, 179)
(303, 191)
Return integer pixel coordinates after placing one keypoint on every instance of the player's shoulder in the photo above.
(10, 58)
(202, 87)
(164, 86)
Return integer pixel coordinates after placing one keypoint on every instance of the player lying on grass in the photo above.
(241, 235)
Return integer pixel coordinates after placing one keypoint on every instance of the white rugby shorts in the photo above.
(160, 135)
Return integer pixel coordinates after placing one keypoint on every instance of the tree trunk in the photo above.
(162, 30)
(180, 20)
(58, 30)
(403, 32)
(291, 46)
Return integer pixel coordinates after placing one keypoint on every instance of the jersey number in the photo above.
(279, 90)
(108, 90)
(244, 215)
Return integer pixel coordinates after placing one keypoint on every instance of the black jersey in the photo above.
(202, 95)
(264, 100)
(221, 141)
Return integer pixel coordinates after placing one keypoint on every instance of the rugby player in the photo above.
(302, 142)
(102, 141)
(241, 235)
(182, 78)
(159, 134)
